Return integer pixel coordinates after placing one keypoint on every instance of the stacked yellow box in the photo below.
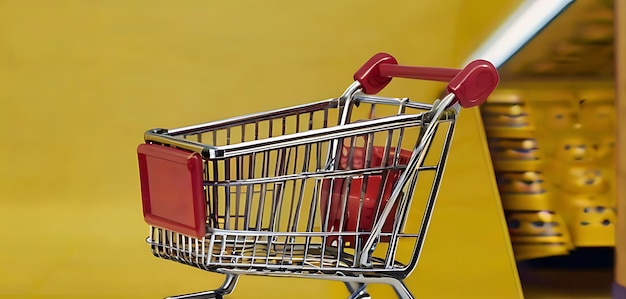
(578, 135)
(536, 226)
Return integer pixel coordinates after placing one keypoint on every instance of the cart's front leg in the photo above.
(401, 290)
(357, 290)
(226, 288)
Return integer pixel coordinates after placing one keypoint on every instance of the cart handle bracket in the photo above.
(470, 85)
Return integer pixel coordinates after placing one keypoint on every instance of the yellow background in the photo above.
(80, 81)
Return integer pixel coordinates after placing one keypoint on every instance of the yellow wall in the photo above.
(81, 80)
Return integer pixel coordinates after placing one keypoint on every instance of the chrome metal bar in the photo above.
(250, 192)
(255, 117)
(333, 149)
(161, 137)
(313, 233)
(344, 206)
(416, 159)
(227, 287)
(405, 202)
(347, 96)
(239, 175)
(206, 176)
(210, 251)
(373, 99)
(201, 254)
(357, 290)
(324, 134)
(298, 208)
(227, 197)
(277, 188)
(215, 195)
(400, 219)
(264, 173)
(399, 287)
(319, 175)
(434, 191)
(296, 212)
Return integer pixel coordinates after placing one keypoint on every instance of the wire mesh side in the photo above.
(269, 216)
(309, 205)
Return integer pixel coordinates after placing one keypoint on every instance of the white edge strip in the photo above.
(518, 29)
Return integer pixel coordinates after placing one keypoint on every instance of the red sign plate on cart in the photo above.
(172, 189)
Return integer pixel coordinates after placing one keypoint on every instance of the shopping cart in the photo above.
(320, 190)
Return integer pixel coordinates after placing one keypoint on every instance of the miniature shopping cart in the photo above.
(321, 190)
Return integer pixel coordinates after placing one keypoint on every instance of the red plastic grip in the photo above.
(172, 190)
(474, 83)
(372, 81)
(471, 85)
(418, 72)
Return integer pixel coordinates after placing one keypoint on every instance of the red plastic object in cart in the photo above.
(333, 200)
(172, 191)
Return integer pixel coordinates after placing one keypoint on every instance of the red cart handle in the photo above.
(470, 85)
